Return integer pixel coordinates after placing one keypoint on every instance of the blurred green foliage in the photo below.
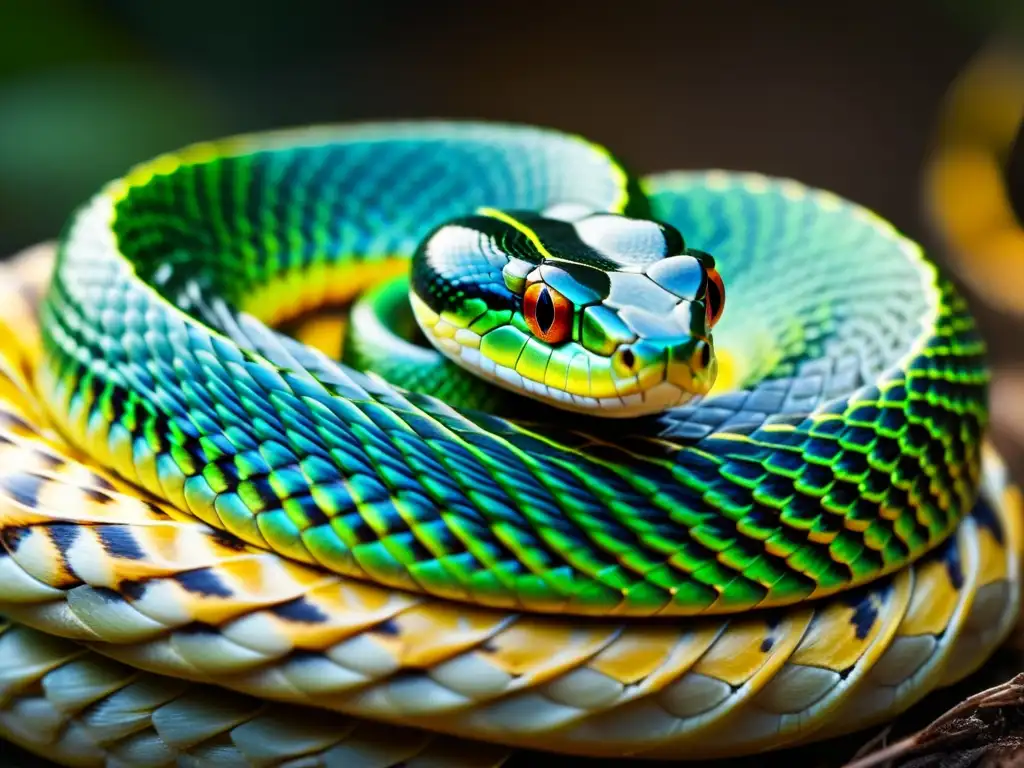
(80, 99)
(90, 87)
(1001, 16)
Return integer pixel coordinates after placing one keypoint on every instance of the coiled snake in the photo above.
(540, 530)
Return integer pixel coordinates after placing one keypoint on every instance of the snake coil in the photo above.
(241, 509)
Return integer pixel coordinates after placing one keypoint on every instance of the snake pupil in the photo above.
(545, 310)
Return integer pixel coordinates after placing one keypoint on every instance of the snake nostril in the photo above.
(701, 357)
(628, 358)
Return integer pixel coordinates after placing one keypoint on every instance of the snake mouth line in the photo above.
(661, 397)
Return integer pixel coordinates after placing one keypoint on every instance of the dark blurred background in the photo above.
(843, 96)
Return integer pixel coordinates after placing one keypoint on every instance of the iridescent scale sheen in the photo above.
(849, 446)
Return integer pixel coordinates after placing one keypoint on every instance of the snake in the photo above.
(444, 434)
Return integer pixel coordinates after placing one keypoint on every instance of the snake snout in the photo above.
(692, 366)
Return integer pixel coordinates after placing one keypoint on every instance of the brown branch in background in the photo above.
(957, 723)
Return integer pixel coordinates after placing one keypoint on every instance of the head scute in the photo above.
(515, 273)
(582, 284)
(628, 242)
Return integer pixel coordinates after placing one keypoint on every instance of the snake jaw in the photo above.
(639, 379)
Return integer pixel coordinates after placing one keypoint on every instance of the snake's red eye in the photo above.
(548, 313)
(714, 297)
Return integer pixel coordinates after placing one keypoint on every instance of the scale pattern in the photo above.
(87, 557)
(851, 448)
(77, 707)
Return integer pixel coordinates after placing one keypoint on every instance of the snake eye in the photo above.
(548, 313)
(714, 297)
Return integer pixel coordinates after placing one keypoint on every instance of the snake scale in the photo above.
(200, 514)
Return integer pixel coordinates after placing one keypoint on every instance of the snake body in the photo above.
(264, 518)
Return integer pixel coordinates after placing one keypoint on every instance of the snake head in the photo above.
(587, 311)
